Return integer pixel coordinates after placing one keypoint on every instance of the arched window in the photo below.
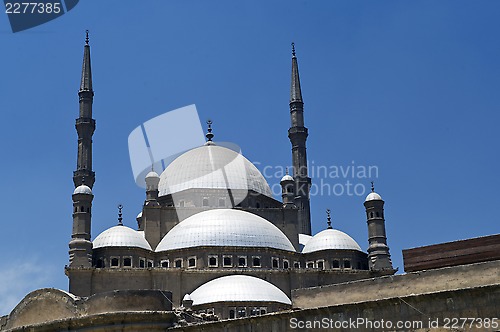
(275, 262)
(114, 262)
(371, 214)
(377, 214)
(286, 265)
(100, 263)
(256, 262)
(242, 261)
(81, 208)
(231, 314)
(192, 262)
(127, 261)
(212, 261)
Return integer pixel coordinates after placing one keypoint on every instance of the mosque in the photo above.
(210, 240)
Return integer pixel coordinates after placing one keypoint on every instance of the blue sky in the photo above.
(409, 87)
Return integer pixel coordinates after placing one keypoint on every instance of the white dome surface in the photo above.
(287, 177)
(225, 227)
(120, 236)
(82, 189)
(152, 174)
(330, 239)
(304, 238)
(213, 167)
(373, 196)
(238, 288)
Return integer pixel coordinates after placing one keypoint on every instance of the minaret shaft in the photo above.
(298, 136)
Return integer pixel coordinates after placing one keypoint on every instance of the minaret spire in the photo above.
(298, 135)
(85, 125)
(295, 91)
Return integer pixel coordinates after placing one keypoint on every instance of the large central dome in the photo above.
(225, 228)
(212, 167)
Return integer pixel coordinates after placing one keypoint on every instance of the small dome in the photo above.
(120, 236)
(330, 239)
(212, 167)
(287, 177)
(225, 227)
(82, 189)
(238, 288)
(152, 174)
(373, 196)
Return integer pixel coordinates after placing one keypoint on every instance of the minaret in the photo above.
(298, 135)
(80, 247)
(287, 191)
(85, 125)
(379, 257)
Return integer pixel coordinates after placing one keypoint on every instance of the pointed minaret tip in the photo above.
(86, 81)
(295, 91)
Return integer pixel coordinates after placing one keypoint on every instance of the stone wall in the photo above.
(52, 305)
(430, 281)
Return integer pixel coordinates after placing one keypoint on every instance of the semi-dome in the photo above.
(82, 189)
(238, 288)
(120, 236)
(331, 239)
(212, 167)
(225, 227)
(373, 196)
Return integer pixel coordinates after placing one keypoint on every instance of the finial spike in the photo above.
(293, 49)
(373, 187)
(328, 219)
(286, 171)
(120, 207)
(209, 134)
(86, 37)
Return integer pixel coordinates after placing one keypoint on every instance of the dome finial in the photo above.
(293, 49)
(286, 171)
(328, 219)
(120, 207)
(86, 37)
(209, 134)
(373, 187)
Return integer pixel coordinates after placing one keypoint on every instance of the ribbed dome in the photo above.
(330, 239)
(213, 167)
(82, 189)
(373, 196)
(287, 177)
(238, 288)
(225, 227)
(120, 236)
